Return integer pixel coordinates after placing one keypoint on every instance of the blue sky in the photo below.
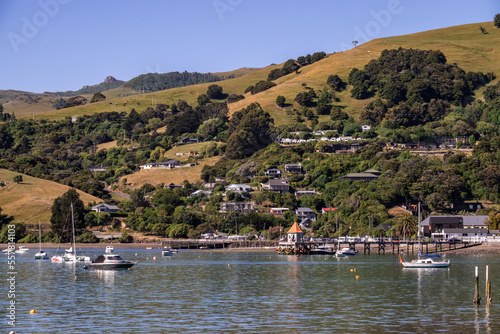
(58, 45)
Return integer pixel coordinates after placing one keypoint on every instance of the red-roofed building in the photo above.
(295, 234)
(324, 210)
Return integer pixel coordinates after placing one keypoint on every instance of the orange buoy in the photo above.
(33, 311)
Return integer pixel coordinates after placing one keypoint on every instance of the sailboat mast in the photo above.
(40, 234)
(418, 229)
(73, 223)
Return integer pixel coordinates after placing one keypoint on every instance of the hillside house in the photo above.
(169, 164)
(293, 168)
(103, 207)
(185, 141)
(241, 207)
(325, 210)
(279, 211)
(201, 193)
(279, 186)
(273, 172)
(300, 193)
(366, 176)
(238, 188)
(303, 213)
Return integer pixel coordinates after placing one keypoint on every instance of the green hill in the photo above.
(464, 45)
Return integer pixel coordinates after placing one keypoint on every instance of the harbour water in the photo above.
(206, 291)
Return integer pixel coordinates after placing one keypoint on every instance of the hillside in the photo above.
(464, 45)
(31, 200)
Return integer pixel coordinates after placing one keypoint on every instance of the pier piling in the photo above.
(488, 289)
(477, 298)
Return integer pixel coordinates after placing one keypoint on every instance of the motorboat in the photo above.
(41, 255)
(167, 252)
(109, 249)
(339, 254)
(22, 249)
(426, 263)
(109, 261)
(348, 251)
(321, 250)
(57, 258)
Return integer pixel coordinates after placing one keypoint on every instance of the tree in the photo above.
(249, 131)
(496, 21)
(61, 214)
(203, 99)
(18, 179)
(215, 92)
(5, 219)
(336, 83)
(280, 101)
(97, 97)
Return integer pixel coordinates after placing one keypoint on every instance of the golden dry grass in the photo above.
(166, 176)
(31, 200)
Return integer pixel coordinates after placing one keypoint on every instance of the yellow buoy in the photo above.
(352, 270)
(32, 311)
(228, 265)
(357, 277)
(75, 277)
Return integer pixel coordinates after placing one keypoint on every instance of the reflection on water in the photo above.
(205, 291)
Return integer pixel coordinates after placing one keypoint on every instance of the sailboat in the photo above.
(339, 252)
(69, 254)
(423, 262)
(41, 255)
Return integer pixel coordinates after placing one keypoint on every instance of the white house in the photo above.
(169, 164)
(238, 188)
(103, 207)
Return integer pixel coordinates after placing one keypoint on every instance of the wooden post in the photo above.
(477, 298)
(488, 289)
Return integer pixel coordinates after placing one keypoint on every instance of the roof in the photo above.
(278, 182)
(104, 205)
(305, 210)
(372, 171)
(361, 175)
(295, 228)
(329, 209)
(467, 220)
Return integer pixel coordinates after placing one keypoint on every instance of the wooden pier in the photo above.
(218, 243)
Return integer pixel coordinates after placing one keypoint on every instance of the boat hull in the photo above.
(432, 264)
(110, 266)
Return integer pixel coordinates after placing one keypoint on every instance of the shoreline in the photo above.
(485, 248)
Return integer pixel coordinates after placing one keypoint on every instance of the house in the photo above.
(184, 141)
(306, 224)
(210, 185)
(97, 169)
(238, 188)
(300, 193)
(434, 225)
(241, 207)
(302, 213)
(103, 207)
(273, 172)
(470, 207)
(365, 128)
(366, 176)
(279, 211)
(169, 164)
(220, 179)
(325, 210)
(293, 168)
(201, 193)
(295, 234)
(279, 186)
(464, 233)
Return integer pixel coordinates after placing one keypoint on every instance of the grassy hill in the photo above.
(166, 176)
(31, 200)
(464, 45)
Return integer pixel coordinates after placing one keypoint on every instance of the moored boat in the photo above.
(426, 263)
(22, 250)
(109, 261)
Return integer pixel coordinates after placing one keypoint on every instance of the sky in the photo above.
(60, 45)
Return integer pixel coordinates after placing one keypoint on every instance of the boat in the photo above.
(423, 262)
(168, 252)
(321, 250)
(22, 250)
(69, 254)
(109, 249)
(338, 253)
(41, 255)
(348, 251)
(109, 261)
